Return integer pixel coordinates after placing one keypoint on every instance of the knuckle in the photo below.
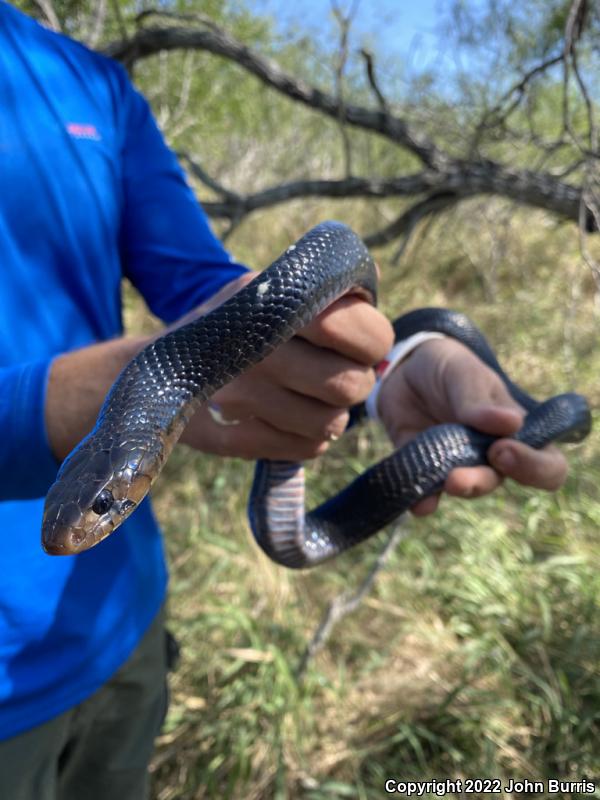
(349, 386)
(328, 328)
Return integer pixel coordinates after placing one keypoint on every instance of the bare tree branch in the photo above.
(370, 67)
(149, 41)
(344, 21)
(347, 187)
(465, 179)
(47, 9)
(573, 31)
(409, 219)
(444, 180)
(200, 173)
(96, 26)
(519, 89)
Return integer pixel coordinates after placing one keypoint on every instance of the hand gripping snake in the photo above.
(107, 475)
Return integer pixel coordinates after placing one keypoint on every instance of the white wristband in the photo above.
(397, 354)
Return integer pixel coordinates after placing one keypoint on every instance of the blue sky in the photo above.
(400, 29)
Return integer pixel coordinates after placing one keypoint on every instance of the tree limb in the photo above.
(408, 220)
(50, 15)
(443, 181)
(344, 21)
(199, 172)
(496, 112)
(464, 179)
(148, 41)
(370, 68)
(97, 25)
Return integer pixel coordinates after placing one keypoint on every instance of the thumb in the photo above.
(492, 418)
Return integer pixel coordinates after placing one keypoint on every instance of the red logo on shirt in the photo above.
(83, 130)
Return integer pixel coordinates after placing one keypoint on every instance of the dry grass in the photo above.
(477, 652)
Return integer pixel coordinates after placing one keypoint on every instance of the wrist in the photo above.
(78, 382)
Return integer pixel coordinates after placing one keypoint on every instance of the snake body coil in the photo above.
(394, 485)
(111, 470)
(103, 480)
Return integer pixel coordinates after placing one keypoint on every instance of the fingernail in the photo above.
(504, 460)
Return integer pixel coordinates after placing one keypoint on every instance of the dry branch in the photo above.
(444, 179)
(442, 189)
(149, 41)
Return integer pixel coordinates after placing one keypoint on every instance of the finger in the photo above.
(471, 482)
(251, 439)
(353, 328)
(466, 389)
(425, 507)
(497, 420)
(315, 372)
(544, 469)
(281, 408)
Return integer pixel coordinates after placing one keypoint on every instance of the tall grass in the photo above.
(477, 652)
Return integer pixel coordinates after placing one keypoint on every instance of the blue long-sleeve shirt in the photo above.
(89, 193)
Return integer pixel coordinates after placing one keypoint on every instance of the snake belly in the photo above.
(296, 539)
(108, 474)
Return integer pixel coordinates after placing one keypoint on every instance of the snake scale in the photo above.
(108, 474)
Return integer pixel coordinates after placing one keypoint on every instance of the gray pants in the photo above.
(100, 749)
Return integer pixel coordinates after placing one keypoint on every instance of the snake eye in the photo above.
(103, 502)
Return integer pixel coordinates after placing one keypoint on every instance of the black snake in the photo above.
(106, 476)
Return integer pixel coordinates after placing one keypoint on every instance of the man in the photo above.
(90, 193)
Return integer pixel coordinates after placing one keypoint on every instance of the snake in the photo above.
(108, 474)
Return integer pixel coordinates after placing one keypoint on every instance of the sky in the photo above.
(393, 29)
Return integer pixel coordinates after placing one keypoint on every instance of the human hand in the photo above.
(443, 381)
(294, 403)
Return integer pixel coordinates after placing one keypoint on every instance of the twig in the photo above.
(200, 173)
(405, 224)
(370, 67)
(498, 115)
(344, 21)
(179, 16)
(97, 26)
(50, 15)
(573, 31)
(148, 41)
(347, 602)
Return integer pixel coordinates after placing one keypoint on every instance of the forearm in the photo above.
(79, 381)
(77, 385)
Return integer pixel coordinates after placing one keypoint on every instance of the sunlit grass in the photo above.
(477, 652)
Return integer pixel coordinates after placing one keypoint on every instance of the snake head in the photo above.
(96, 489)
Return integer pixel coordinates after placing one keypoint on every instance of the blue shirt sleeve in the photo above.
(165, 247)
(168, 250)
(27, 464)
